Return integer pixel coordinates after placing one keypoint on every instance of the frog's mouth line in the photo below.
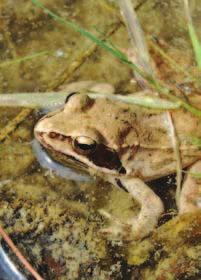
(103, 158)
(68, 159)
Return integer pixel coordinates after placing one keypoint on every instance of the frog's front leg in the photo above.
(151, 208)
(190, 199)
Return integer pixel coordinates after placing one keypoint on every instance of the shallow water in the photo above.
(54, 221)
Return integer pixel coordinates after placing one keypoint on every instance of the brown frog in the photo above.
(126, 145)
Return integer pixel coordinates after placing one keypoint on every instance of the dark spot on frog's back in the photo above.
(107, 158)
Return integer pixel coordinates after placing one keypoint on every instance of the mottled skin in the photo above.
(124, 144)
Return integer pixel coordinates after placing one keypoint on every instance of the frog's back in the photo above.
(155, 156)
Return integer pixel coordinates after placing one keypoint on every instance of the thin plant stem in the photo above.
(22, 59)
(17, 252)
(176, 148)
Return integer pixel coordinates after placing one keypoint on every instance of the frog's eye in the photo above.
(84, 145)
(69, 96)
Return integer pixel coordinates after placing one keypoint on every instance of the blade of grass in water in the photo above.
(114, 51)
(195, 141)
(22, 59)
(194, 39)
(122, 57)
(57, 99)
(144, 101)
(196, 175)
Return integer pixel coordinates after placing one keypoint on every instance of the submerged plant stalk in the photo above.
(136, 35)
(52, 100)
(176, 148)
(33, 100)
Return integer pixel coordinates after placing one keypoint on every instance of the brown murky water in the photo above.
(55, 222)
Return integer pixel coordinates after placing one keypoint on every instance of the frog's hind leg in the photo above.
(151, 208)
(190, 198)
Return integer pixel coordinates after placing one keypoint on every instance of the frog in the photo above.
(127, 146)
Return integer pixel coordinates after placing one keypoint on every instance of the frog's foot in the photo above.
(190, 199)
(151, 209)
(117, 228)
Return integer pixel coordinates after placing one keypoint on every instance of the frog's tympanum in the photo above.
(127, 146)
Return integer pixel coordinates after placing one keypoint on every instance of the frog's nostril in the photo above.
(53, 135)
(122, 170)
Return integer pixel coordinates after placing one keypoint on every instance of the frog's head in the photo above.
(93, 134)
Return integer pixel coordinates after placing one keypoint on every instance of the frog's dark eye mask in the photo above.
(98, 153)
(107, 158)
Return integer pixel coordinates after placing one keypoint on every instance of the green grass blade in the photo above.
(22, 59)
(193, 36)
(195, 141)
(196, 44)
(196, 175)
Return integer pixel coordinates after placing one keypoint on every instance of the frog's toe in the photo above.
(117, 231)
(123, 231)
(117, 228)
(127, 231)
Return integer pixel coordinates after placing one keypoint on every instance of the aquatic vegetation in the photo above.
(52, 100)
(172, 252)
(23, 59)
(195, 175)
(161, 87)
(195, 141)
(194, 39)
(138, 42)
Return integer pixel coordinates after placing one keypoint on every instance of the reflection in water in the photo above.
(8, 270)
(60, 170)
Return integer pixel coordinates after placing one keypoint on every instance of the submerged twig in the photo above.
(13, 123)
(17, 252)
(176, 148)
